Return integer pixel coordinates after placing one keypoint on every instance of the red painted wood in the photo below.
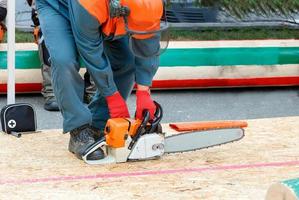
(187, 83)
(23, 88)
(214, 83)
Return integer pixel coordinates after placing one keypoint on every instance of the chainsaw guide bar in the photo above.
(192, 141)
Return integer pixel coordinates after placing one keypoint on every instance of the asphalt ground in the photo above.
(197, 105)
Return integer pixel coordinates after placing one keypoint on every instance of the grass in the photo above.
(23, 37)
(241, 34)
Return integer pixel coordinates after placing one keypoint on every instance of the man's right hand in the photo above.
(117, 106)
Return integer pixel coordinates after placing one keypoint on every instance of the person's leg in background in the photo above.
(47, 90)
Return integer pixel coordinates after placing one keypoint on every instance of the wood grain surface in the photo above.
(38, 166)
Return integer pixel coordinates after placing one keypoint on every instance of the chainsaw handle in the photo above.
(158, 117)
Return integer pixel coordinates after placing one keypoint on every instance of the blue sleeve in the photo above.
(148, 62)
(89, 41)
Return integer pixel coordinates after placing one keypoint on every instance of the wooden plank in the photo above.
(38, 166)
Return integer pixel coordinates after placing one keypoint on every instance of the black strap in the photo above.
(16, 134)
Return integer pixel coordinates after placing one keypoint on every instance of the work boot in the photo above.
(80, 139)
(98, 133)
(51, 105)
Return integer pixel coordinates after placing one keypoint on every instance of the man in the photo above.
(70, 28)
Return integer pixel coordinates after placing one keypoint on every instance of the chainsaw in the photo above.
(136, 140)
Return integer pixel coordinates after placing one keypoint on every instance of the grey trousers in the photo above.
(47, 89)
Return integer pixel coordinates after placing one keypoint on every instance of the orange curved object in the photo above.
(202, 126)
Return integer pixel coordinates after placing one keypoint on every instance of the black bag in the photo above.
(18, 118)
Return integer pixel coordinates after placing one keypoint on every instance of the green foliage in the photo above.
(238, 34)
(22, 37)
(241, 8)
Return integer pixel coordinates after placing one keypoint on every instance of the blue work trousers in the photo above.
(71, 32)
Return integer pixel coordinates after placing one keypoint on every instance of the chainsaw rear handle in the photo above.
(153, 124)
(157, 119)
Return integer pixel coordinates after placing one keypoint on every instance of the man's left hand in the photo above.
(144, 102)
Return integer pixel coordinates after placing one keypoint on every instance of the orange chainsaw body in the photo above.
(117, 131)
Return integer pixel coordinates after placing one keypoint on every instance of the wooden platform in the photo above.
(40, 167)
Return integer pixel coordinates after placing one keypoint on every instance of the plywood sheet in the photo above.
(38, 166)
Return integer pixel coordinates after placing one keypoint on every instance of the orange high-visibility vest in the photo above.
(100, 10)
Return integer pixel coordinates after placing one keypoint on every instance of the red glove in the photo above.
(144, 102)
(117, 106)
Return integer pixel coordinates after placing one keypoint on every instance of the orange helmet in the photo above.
(142, 17)
(145, 16)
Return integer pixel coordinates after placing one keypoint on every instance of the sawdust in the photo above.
(38, 166)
